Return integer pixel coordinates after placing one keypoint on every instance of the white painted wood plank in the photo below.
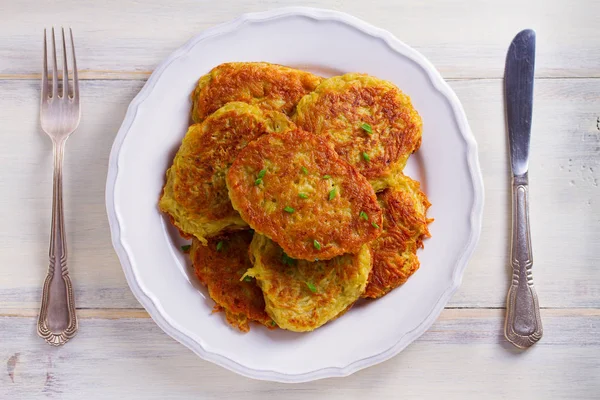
(462, 39)
(565, 207)
(463, 356)
(564, 193)
(26, 187)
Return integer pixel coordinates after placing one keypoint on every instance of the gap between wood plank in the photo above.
(144, 75)
(448, 313)
(85, 313)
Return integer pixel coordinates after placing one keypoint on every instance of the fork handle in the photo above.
(57, 321)
(523, 325)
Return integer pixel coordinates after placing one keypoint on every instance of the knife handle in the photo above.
(523, 325)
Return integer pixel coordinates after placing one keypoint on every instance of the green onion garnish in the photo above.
(303, 195)
(258, 181)
(219, 245)
(317, 244)
(312, 287)
(364, 215)
(304, 170)
(375, 225)
(332, 194)
(262, 173)
(273, 323)
(366, 157)
(247, 278)
(288, 209)
(326, 176)
(367, 128)
(186, 247)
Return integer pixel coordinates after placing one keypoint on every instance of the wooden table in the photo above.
(120, 352)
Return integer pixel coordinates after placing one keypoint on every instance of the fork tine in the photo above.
(75, 78)
(45, 71)
(54, 68)
(65, 91)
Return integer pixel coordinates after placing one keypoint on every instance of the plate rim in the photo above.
(397, 46)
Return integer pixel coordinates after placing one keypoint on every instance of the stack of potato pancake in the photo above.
(292, 191)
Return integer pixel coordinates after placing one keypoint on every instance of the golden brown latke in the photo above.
(220, 266)
(195, 195)
(404, 228)
(269, 86)
(294, 188)
(371, 123)
(301, 295)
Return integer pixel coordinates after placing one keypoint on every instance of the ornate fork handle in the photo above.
(523, 325)
(57, 321)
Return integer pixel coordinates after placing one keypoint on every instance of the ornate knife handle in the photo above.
(523, 326)
(57, 322)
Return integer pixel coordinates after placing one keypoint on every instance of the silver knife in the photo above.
(523, 325)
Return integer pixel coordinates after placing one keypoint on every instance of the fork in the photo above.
(59, 117)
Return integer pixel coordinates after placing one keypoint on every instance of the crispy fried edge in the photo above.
(206, 80)
(381, 283)
(239, 320)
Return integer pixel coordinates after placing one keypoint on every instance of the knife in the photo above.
(523, 325)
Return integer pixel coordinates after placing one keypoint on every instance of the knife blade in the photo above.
(520, 65)
(523, 325)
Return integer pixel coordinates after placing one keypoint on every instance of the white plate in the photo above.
(328, 43)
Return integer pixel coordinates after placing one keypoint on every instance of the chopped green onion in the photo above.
(258, 181)
(288, 209)
(367, 128)
(287, 260)
(262, 173)
(317, 244)
(273, 323)
(366, 157)
(332, 194)
(326, 176)
(312, 287)
(375, 225)
(364, 215)
(219, 245)
(186, 247)
(247, 278)
(303, 195)
(304, 170)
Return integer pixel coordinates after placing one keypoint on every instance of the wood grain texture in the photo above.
(462, 39)
(564, 172)
(133, 359)
(120, 352)
(565, 210)
(27, 192)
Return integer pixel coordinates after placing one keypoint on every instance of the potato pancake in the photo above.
(220, 266)
(300, 295)
(269, 86)
(293, 188)
(371, 123)
(404, 228)
(195, 195)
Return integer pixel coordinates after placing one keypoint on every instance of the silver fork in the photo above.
(59, 116)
